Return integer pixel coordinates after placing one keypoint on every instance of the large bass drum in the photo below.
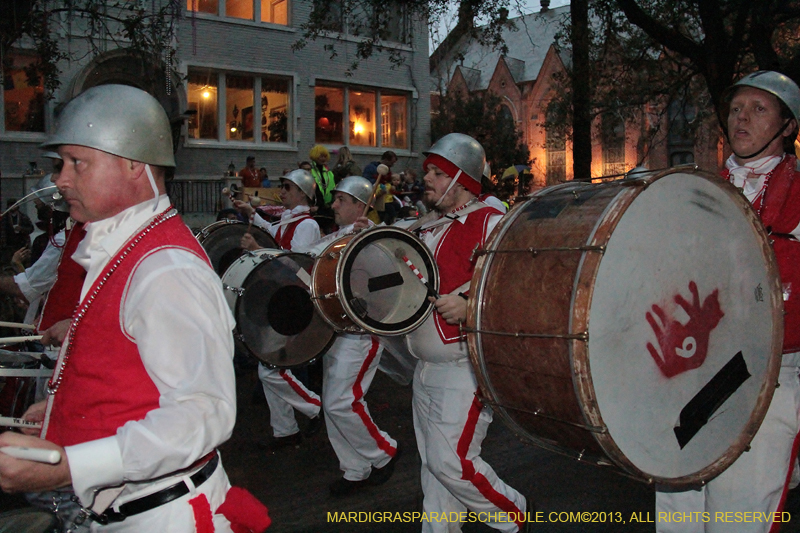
(375, 281)
(221, 240)
(268, 293)
(637, 323)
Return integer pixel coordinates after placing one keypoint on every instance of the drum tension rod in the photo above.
(538, 412)
(536, 251)
(238, 290)
(583, 336)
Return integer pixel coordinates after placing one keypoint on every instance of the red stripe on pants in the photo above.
(478, 479)
(777, 525)
(299, 389)
(358, 407)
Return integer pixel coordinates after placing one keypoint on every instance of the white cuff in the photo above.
(24, 285)
(94, 464)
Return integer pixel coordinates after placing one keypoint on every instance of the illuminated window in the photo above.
(257, 109)
(328, 115)
(613, 138)
(556, 148)
(394, 119)
(23, 100)
(274, 11)
(202, 96)
(362, 118)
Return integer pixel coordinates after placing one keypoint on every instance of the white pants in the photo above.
(754, 482)
(284, 393)
(176, 516)
(348, 369)
(450, 424)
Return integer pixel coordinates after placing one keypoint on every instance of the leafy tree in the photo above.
(145, 29)
(480, 116)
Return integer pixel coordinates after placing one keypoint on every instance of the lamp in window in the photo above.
(234, 126)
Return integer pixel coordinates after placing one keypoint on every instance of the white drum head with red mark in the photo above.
(681, 326)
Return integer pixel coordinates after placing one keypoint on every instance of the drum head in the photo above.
(275, 318)
(379, 291)
(685, 323)
(221, 240)
(28, 521)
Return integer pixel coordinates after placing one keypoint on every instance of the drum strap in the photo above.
(433, 220)
(290, 220)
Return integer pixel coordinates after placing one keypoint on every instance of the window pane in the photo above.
(202, 105)
(395, 25)
(274, 110)
(203, 6)
(24, 102)
(362, 118)
(239, 107)
(328, 14)
(328, 115)
(394, 120)
(240, 9)
(275, 11)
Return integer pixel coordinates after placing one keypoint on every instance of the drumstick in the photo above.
(17, 325)
(10, 422)
(401, 254)
(13, 340)
(40, 455)
(382, 171)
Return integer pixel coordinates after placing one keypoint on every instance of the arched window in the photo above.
(555, 146)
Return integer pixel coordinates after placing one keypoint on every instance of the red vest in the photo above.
(104, 383)
(455, 260)
(285, 233)
(66, 291)
(781, 215)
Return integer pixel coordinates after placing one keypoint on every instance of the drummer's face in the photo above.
(436, 182)
(754, 118)
(346, 209)
(291, 195)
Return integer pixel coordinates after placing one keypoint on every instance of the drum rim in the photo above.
(582, 383)
(266, 255)
(342, 288)
(316, 297)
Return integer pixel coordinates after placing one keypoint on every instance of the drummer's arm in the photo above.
(362, 223)
(306, 233)
(19, 475)
(452, 307)
(55, 334)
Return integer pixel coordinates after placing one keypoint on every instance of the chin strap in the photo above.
(780, 130)
(153, 185)
(447, 190)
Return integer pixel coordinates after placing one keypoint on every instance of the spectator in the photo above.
(249, 174)
(345, 165)
(17, 228)
(388, 158)
(263, 177)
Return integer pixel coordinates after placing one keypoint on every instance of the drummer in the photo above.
(449, 420)
(762, 123)
(367, 455)
(295, 229)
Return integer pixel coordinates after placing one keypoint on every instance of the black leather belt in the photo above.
(159, 498)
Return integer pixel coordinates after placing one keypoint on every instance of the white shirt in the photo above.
(175, 312)
(305, 233)
(40, 276)
(425, 342)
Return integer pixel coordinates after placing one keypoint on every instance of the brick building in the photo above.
(525, 80)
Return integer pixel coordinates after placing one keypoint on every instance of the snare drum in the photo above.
(28, 520)
(221, 241)
(268, 292)
(636, 323)
(18, 373)
(372, 281)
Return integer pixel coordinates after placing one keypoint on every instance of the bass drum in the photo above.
(637, 323)
(221, 240)
(372, 281)
(268, 293)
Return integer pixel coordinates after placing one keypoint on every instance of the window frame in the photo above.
(222, 14)
(47, 115)
(221, 140)
(408, 93)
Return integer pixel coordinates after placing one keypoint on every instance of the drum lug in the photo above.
(238, 290)
(238, 337)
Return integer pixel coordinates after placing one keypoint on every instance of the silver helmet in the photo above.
(357, 187)
(775, 83)
(463, 151)
(487, 171)
(304, 180)
(118, 119)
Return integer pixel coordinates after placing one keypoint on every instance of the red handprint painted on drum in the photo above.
(684, 347)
